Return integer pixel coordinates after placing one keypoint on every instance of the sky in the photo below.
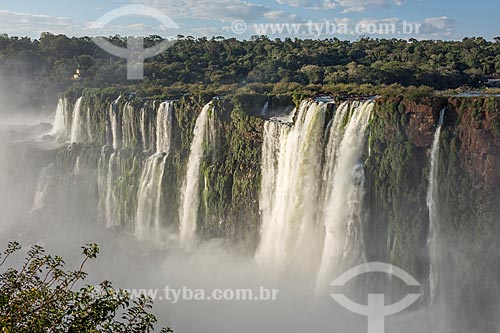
(343, 19)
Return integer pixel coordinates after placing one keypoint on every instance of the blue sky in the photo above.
(346, 19)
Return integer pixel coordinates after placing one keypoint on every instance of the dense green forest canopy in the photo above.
(34, 71)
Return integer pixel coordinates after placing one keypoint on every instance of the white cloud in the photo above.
(32, 25)
(379, 22)
(363, 5)
(210, 12)
(25, 24)
(311, 4)
(442, 24)
(280, 15)
(218, 10)
(348, 5)
(393, 27)
(430, 28)
(210, 31)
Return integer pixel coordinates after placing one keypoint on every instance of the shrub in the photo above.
(41, 297)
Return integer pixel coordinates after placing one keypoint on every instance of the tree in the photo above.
(41, 297)
(48, 63)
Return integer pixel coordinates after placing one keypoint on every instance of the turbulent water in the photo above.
(59, 125)
(111, 198)
(290, 185)
(149, 218)
(343, 206)
(76, 125)
(114, 124)
(190, 198)
(311, 207)
(121, 164)
(43, 187)
(129, 185)
(164, 127)
(432, 204)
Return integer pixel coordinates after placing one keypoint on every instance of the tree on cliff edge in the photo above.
(41, 296)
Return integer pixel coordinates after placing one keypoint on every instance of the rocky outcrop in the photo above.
(475, 119)
(423, 118)
(103, 181)
(468, 186)
(478, 121)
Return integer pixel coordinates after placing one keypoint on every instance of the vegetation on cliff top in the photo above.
(262, 65)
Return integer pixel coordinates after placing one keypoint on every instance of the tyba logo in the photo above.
(135, 53)
(375, 310)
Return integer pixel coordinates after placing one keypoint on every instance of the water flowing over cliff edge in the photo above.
(318, 188)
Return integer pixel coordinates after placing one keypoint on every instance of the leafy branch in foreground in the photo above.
(41, 296)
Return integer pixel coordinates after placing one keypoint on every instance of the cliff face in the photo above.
(477, 122)
(397, 168)
(468, 186)
(402, 134)
(117, 138)
(479, 135)
(103, 174)
(103, 178)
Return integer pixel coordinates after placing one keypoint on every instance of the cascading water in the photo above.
(147, 128)
(164, 120)
(76, 124)
(129, 125)
(89, 119)
(110, 198)
(190, 198)
(432, 204)
(336, 131)
(290, 185)
(115, 124)
(306, 202)
(312, 185)
(265, 109)
(45, 181)
(342, 212)
(103, 185)
(59, 125)
(150, 186)
(108, 175)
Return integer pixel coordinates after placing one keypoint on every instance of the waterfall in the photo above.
(164, 120)
(150, 186)
(43, 188)
(129, 126)
(265, 109)
(147, 128)
(102, 184)
(342, 212)
(149, 197)
(115, 124)
(110, 203)
(59, 125)
(76, 125)
(335, 133)
(290, 185)
(432, 204)
(77, 170)
(106, 178)
(89, 124)
(144, 128)
(190, 190)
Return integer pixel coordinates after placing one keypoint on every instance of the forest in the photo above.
(34, 71)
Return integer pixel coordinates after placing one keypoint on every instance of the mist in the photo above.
(131, 263)
(63, 188)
